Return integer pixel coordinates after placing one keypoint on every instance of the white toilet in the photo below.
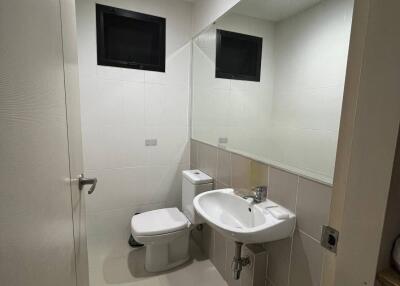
(165, 232)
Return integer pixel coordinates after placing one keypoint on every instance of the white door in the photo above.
(39, 207)
(367, 142)
(70, 53)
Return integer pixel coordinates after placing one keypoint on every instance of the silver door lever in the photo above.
(87, 181)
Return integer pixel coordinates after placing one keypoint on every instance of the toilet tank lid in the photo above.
(197, 177)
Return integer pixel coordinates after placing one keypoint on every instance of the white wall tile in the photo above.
(123, 107)
(133, 146)
(102, 146)
(133, 99)
(103, 102)
(117, 189)
(131, 75)
(113, 227)
(166, 104)
(164, 184)
(109, 226)
(177, 69)
(172, 145)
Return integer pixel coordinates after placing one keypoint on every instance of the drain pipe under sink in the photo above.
(238, 262)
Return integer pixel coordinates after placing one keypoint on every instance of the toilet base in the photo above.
(161, 256)
(154, 269)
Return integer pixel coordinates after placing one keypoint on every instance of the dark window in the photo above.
(130, 39)
(238, 56)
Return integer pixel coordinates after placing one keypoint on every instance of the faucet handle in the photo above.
(261, 193)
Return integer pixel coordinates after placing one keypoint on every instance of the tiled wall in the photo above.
(295, 261)
(123, 107)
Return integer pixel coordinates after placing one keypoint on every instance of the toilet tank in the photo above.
(194, 182)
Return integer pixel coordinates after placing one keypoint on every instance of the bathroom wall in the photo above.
(295, 261)
(123, 107)
(310, 66)
(207, 11)
(225, 108)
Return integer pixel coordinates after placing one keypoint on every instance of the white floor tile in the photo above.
(115, 263)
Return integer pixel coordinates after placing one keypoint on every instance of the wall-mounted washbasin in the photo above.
(242, 220)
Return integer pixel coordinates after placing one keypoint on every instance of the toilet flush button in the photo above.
(196, 177)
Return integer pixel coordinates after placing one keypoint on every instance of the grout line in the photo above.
(309, 236)
(230, 170)
(216, 167)
(292, 238)
(213, 248)
(197, 155)
(297, 195)
(268, 181)
(290, 260)
(266, 262)
(226, 262)
(322, 268)
(190, 104)
(223, 184)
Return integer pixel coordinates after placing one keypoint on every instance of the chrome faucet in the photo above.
(260, 194)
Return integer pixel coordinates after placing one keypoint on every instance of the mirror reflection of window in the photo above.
(238, 56)
(287, 115)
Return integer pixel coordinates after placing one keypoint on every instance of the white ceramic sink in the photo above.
(242, 220)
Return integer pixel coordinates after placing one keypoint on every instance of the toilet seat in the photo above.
(161, 238)
(159, 222)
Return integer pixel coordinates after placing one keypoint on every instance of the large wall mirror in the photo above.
(289, 116)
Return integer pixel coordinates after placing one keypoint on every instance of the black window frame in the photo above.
(222, 74)
(101, 10)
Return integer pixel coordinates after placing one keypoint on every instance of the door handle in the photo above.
(87, 181)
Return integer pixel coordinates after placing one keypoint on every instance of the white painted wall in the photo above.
(120, 109)
(207, 11)
(310, 66)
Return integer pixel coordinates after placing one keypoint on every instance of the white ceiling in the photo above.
(272, 10)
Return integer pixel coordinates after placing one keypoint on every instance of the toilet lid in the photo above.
(160, 221)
